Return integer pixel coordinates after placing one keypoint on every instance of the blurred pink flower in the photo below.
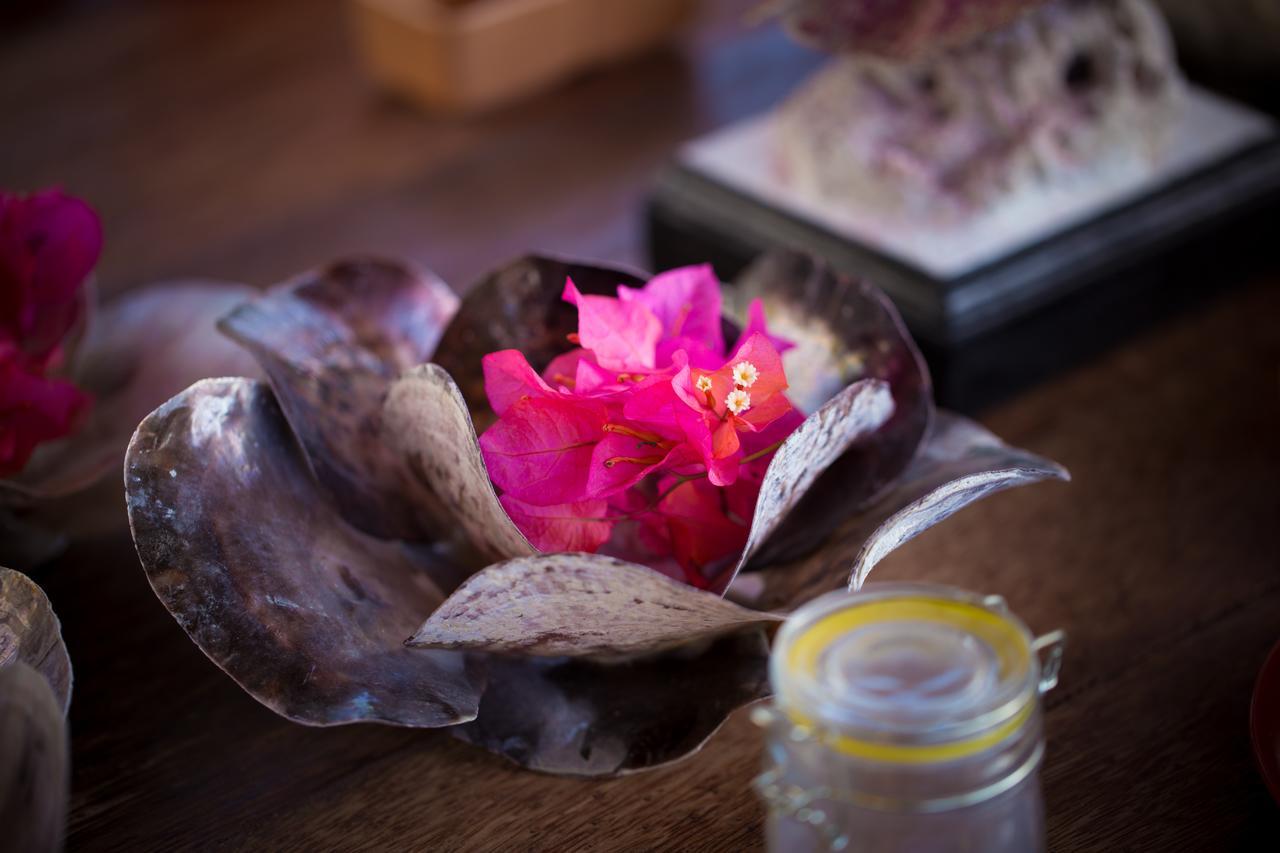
(33, 409)
(49, 244)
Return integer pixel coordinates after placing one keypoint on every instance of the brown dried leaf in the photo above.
(306, 613)
(844, 330)
(331, 341)
(842, 422)
(962, 463)
(586, 718)
(578, 605)
(428, 422)
(34, 766)
(519, 306)
(959, 464)
(31, 634)
(142, 349)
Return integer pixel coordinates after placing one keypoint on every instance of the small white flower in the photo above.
(703, 384)
(738, 401)
(745, 374)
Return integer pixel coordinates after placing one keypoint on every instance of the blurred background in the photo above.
(244, 140)
(248, 140)
(251, 140)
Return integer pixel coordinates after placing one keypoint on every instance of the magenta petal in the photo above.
(622, 335)
(759, 351)
(620, 461)
(700, 428)
(563, 369)
(702, 535)
(591, 378)
(540, 450)
(580, 526)
(687, 303)
(49, 244)
(696, 353)
(655, 403)
(758, 325)
(508, 378)
(33, 410)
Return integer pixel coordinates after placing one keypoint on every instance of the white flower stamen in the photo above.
(738, 401)
(703, 384)
(745, 374)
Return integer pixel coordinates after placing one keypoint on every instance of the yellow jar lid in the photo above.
(906, 673)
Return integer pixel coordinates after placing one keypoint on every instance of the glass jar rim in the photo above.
(846, 625)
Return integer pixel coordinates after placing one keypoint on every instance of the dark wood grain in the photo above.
(237, 139)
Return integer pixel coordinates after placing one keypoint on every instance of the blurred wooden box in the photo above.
(468, 55)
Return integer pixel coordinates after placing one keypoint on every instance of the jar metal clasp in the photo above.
(1049, 648)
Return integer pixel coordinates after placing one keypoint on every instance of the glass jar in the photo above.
(906, 718)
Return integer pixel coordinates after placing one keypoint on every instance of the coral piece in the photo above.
(1063, 91)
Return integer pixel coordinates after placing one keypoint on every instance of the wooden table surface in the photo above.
(237, 140)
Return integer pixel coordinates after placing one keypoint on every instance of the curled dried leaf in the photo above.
(848, 418)
(331, 342)
(34, 766)
(960, 463)
(31, 634)
(306, 613)
(579, 605)
(428, 423)
(845, 330)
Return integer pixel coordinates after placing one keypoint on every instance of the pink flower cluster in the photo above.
(49, 243)
(647, 441)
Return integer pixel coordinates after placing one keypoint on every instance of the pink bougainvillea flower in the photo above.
(374, 515)
(704, 531)
(579, 526)
(687, 303)
(622, 334)
(540, 449)
(757, 324)
(49, 244)
(743, 395)
(661, 399)
(508, 379)
(71, 390)
(33, 409)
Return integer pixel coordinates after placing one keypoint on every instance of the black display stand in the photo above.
(1004, 325)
